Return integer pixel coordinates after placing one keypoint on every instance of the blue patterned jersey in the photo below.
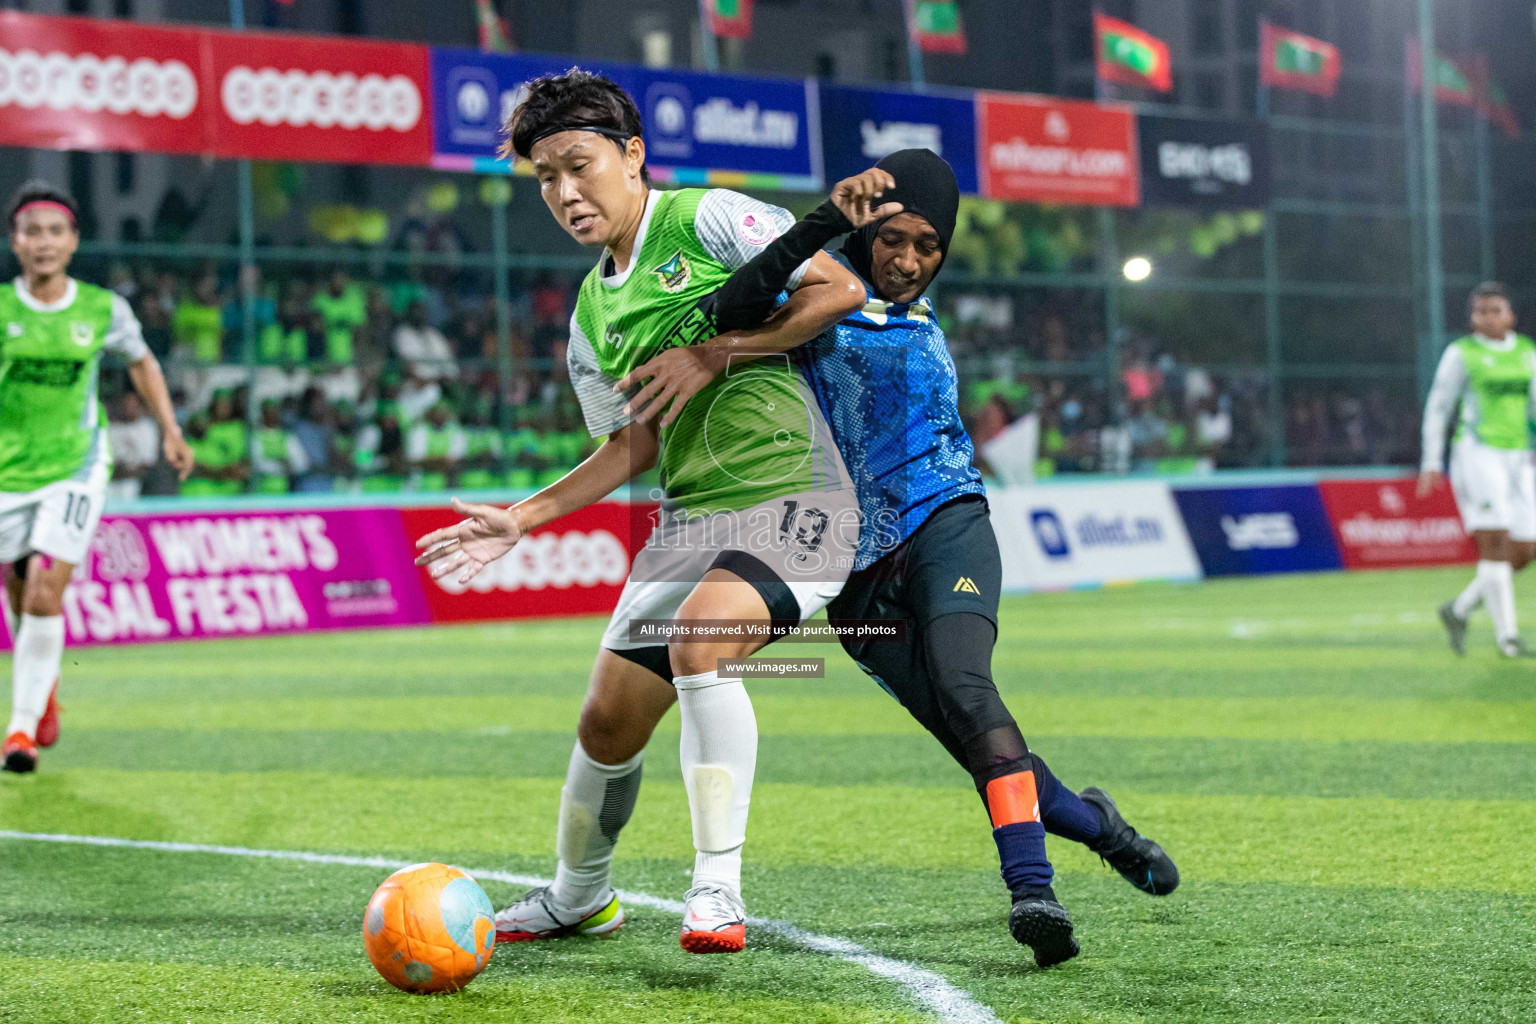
(887, 385)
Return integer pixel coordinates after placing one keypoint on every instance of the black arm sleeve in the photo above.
(746, 299)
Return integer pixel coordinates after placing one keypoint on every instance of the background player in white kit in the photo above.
(54, 458)
(1492, 374)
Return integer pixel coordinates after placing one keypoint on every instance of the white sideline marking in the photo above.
(952, 1005)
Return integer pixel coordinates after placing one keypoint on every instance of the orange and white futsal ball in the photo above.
(429, 928)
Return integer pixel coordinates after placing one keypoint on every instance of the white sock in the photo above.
(1499, 593)
(34, 667)
(719, 757)
(595, 804)
(1469, 599)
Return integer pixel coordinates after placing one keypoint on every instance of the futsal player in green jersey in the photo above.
(759, 519)
(1492, 374)
(54, 458)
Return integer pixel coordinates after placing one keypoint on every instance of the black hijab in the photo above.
(925, 185)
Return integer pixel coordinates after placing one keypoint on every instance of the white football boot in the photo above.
(714, 921)
(536, 917)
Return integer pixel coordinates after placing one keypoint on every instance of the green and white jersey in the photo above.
(51, 424)
(755, 432)
(1495, 382)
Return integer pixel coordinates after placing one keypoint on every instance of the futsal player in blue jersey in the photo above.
(886, 383)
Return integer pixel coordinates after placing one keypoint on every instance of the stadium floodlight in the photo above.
(1137, 268)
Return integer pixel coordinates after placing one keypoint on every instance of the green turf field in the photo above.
(1353, 810)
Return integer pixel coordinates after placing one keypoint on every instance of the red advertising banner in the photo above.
(577, 565)
(80, 83)
(288, 97)
(1382, 524)
(1039, 150)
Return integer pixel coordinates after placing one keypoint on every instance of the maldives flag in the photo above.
(936, 26)
(1500, 113)
(731, 18)
(1290, 60)
(491, 28)
(1129, 56)
(1451, 83)
(1492, 103)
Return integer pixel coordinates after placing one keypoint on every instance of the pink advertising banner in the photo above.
(228, 574)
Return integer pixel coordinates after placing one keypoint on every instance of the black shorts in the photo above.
(951, 564)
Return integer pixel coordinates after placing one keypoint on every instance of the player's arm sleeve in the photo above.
(600, 407)
(124, 335)
(750, 293)
(1450, 379)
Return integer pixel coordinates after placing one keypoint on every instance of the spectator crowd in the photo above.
(398, 384)
(357, 386)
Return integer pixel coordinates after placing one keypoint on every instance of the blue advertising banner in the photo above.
(700, 129)
(859, 126)
(472, 94)
(722, 130)
(1248, 530)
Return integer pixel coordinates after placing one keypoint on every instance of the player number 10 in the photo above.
(77, 511)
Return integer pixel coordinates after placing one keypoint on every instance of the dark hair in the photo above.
(39, 191)
(1487, 290)
(576, 98)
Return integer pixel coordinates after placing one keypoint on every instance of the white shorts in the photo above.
(796, 550)
(1495, 488)
(58, 520)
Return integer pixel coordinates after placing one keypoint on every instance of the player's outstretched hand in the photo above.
(855, 197)
(179, 454)
(676, 375)
(1429, 482)
(488, 532)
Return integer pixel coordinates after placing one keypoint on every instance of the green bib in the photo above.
(755, 432)
(49, 414)
(1495, 406)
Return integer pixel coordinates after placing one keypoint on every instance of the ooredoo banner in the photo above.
(224, 574)
(1038, 150)
(1383, 524)
(79, 83)
(1242, 530)
(1080, 535)
(576, 565)
(289, 97)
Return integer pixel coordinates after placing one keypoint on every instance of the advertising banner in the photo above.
(859, 126)
(80, 83)
(1242, 530)
(1039, 150)
(730, 132)
(291, 97)
(473, 93)
(575, 566)
(224, 574)
(1080, 535)
(1383, 524)
(1188, 161)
